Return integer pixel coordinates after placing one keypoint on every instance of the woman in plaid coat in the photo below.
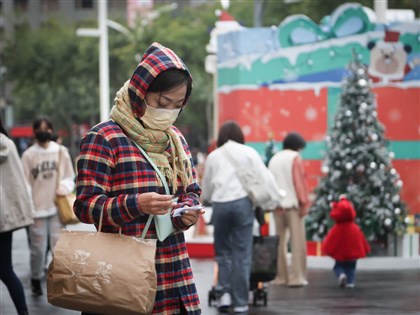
(115, 177)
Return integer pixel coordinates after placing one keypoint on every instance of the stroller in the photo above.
(263, 268)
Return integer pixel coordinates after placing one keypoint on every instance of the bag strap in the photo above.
(57, 182)
(162, 178)
(235, 165)
(100, 224)
(231, 160)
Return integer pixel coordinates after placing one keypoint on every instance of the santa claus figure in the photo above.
(389, 59)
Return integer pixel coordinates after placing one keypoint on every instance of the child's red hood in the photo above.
(343, 211)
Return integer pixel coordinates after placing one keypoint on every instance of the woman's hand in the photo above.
(156, 204)
(191, 217)
(303, 210)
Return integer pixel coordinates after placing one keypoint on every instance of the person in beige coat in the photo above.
(15, 213)
(287, 168)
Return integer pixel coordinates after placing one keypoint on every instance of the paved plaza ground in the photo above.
(392, 290)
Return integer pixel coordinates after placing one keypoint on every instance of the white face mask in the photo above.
(159, 118)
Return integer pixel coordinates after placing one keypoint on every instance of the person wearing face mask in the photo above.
(114, 177)
(43, 162)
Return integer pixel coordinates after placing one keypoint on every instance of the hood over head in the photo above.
(343, 211)
(156, 60)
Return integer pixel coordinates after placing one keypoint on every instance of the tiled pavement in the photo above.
(393, 292)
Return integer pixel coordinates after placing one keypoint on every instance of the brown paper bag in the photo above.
(103, 273)
(65, 209)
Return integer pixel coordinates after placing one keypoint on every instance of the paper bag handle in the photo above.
(143, 235)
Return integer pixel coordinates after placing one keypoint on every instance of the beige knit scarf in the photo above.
(154, 142)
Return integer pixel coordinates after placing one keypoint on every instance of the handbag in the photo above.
(163, 223)
(65, 203)
(264, 258)
(103, 273)
(65, 209)
(258, 182)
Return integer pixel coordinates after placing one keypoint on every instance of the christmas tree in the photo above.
(358, 164)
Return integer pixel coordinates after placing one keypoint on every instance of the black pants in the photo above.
(7, 274)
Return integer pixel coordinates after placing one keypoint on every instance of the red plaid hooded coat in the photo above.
(112, 172)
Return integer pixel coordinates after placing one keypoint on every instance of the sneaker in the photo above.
(342, 280)
(241, 309)
(36, 287)
(278, 281)
(224, 302)
(350, 285)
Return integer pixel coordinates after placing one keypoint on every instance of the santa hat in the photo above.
(225, 17)
(391, 36)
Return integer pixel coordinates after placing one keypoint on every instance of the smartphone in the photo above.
(179, 211)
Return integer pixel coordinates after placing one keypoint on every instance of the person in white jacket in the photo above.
(233, 215)
(15, 213)
(43, 162)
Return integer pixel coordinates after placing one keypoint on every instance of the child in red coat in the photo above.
(345, 242)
